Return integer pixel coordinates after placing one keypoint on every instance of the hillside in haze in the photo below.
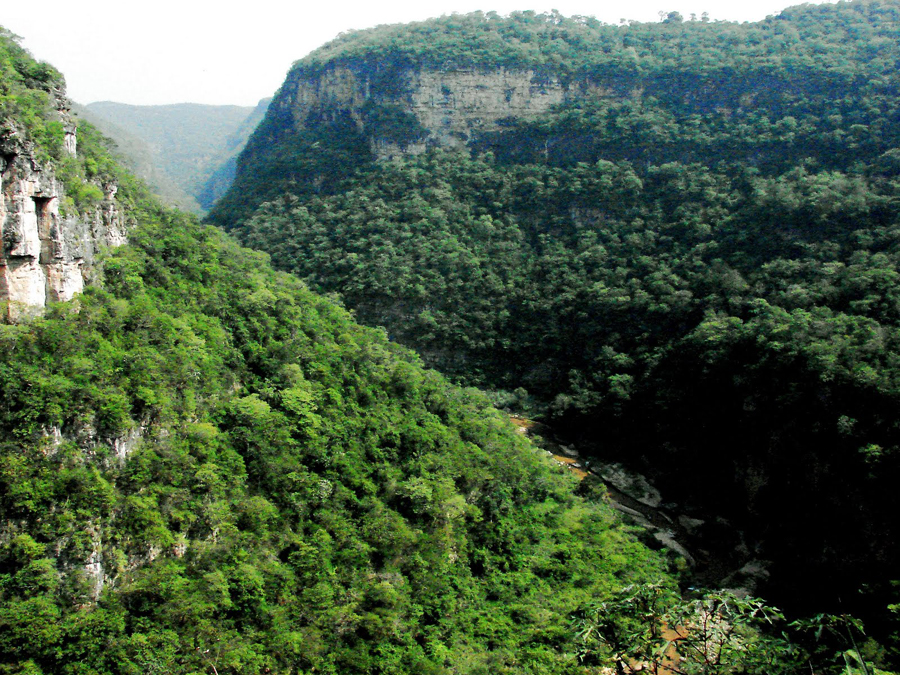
(139, 157)
(184, 151)
(675, 241)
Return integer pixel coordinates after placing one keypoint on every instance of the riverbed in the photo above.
(713, 551)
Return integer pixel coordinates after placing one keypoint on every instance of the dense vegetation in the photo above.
(35, 113)
(673, 91)
(206, 468)
(845, 40)
(300, 491)
(697, 270)
(28, 92)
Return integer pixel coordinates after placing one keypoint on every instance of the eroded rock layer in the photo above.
(450, 106)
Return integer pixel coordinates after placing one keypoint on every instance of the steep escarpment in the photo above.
(406, 109)
(689, 259)
(756, 139)
(652, 93)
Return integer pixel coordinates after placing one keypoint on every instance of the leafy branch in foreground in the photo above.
(650, 629)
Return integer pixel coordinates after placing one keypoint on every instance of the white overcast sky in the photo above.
(169, 51)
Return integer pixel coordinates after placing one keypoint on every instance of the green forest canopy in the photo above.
(207, 468)
(265, 486)
(698, 272)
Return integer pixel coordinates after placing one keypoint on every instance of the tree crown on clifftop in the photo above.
(848, 38)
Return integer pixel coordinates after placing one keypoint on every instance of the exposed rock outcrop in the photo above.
(46, 254)
(450, 106)
(454, 105)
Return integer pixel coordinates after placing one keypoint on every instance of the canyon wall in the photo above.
(47, 249)
(450, 106)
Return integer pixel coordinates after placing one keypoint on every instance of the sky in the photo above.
(170, 51)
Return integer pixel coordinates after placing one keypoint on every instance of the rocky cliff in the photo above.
(405, 110)
(48, 251)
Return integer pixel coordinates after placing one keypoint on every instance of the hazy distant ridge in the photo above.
(178, 148)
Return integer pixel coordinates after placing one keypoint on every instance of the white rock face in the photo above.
(71, 142)
(93, 567)
(20, 229)
(453, 106)
(24, 284)
(64, 280)
(44, 256)
(125, 445)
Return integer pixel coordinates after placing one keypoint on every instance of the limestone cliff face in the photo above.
(451, 106)
(45, 255)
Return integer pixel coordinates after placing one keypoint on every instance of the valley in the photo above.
(508, 344)
(185, 153)
(671, 240)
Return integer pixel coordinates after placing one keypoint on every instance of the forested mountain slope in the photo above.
(206, 468)
(680, 238)
(222, 169)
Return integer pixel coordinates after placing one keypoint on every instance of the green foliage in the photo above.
(644, 627)
(207, 468)
(29, 91)
(391, 122)
(32, 110)
(297, 490)
(279, 159)
(837, 41)
(695, 261)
